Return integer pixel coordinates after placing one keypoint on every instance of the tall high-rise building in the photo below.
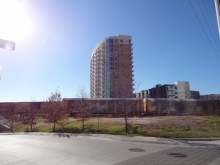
(111, 68)
(217, 9)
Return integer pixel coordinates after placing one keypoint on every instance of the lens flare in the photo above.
(15, 22)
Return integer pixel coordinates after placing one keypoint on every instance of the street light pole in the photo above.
(0, 72)
(5, 44)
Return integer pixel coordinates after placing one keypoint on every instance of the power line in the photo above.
(211, 21)
(204, 30)
(208, 25)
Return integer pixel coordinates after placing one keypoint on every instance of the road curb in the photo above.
(133, 139)
(197, 139)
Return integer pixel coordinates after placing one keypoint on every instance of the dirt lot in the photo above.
(147, 121)
(150, 121)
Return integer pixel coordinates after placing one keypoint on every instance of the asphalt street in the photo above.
(86, 149)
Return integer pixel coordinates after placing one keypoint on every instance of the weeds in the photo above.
(206, 127)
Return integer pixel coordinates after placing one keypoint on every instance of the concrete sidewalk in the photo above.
(133, 139)
(95, 149)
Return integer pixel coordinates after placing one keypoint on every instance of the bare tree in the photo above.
(81, 106)
(96, 108)
(127, 105)
(9, 113)
(54, 109)
(30, 113)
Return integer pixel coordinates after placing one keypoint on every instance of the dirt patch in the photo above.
(136, 120)
(153, 122)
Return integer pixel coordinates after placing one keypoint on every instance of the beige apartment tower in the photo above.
(111, 68)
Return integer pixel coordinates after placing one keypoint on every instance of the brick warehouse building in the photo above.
(111, 68)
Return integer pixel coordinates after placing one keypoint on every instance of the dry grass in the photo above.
(164, 126)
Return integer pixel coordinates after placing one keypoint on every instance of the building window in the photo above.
(121, 40)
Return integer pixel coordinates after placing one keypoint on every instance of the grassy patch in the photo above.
(91, 126)
(183, 128)
(197, 127)
(200, 129)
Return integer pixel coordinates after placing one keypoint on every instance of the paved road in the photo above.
(22, 149)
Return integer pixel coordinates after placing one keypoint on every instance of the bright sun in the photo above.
(14, 22)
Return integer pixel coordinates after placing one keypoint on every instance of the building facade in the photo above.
(178, 90)
(111, 68)
(210, 97)
(168, 91)
(195, 94)
(182, 90)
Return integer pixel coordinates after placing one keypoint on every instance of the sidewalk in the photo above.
(214, 142)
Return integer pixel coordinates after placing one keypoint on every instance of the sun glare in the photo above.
(14, 21)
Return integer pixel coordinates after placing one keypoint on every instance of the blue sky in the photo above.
(168, 44)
